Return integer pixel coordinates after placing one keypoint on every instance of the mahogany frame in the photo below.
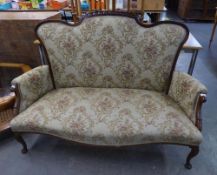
(200, 100)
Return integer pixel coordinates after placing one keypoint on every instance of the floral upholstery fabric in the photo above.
(185, 91)
(108, 116)
(111, 51)
(32, 85)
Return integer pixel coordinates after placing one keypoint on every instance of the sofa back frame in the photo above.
(138, 20)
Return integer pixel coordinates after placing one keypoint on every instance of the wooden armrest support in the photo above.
(14, 89)
(202, 99)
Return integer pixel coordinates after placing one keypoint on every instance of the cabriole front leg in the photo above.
(19, 138)
(198, 124)
(193, 153)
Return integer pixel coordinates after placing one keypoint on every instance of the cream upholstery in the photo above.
(109, 116)
(111, 75)
(33, 85)
(185, 90)
(111, 51)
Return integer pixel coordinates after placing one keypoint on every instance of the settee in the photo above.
(110, 80)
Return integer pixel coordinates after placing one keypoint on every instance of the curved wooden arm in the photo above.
(8, 101)
(14, 88)
(202, 99)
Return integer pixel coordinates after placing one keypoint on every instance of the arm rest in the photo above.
(30, 86)
(186, 91)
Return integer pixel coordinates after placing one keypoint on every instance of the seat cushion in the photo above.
(113, 117)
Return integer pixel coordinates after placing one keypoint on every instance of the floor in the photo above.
(49, 155)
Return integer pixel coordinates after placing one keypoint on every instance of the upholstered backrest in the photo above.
(112, 51)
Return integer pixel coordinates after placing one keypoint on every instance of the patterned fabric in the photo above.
(185, 91)
(109, 116)
(33, 85)
(111, 51)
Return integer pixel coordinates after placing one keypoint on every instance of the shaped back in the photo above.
(112, 51)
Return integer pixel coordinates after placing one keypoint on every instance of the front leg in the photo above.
(193, 153)
(19, 138)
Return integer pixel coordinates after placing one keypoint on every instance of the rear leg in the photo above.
(19, 138)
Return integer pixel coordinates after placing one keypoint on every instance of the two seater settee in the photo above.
(110, 81)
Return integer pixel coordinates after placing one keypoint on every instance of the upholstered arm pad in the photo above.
(185, 90)
(31, 85)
